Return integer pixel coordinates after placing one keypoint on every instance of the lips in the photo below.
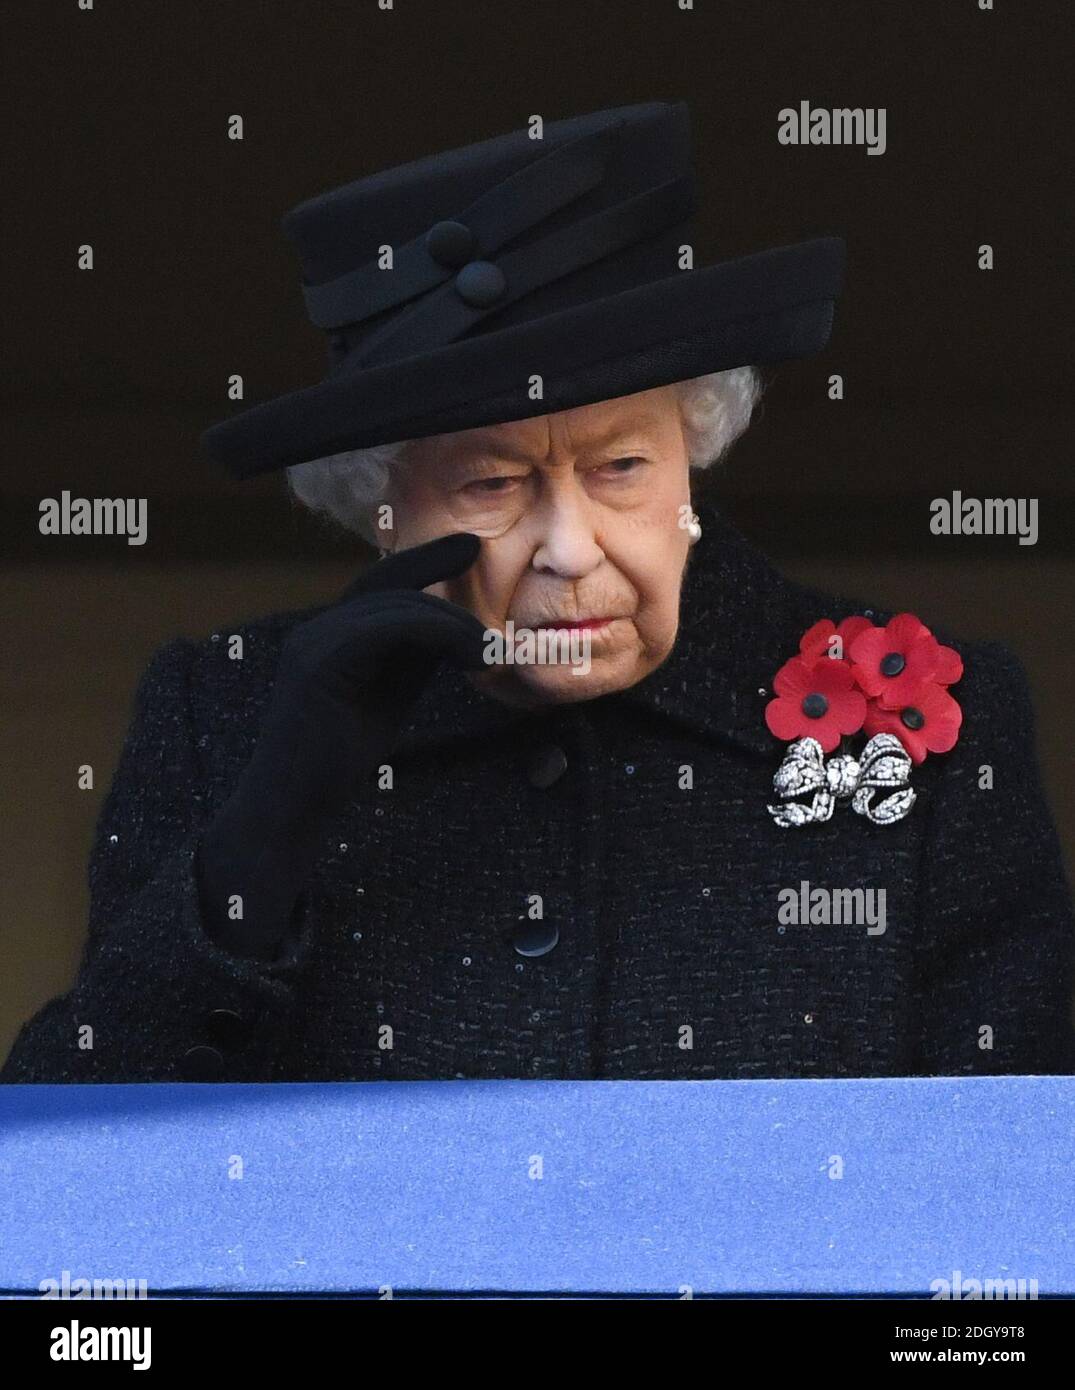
(572, 623)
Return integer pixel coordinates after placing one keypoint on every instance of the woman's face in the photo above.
(582, 516)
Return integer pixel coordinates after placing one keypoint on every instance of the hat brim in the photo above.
(767, 307)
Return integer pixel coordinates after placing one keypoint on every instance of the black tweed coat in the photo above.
(637, 825)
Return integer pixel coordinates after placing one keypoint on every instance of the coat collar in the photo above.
(740, 619)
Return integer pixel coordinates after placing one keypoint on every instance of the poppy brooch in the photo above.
(889, 684)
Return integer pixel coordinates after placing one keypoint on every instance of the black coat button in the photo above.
(450, 243)
(225, 1028)
(201, 1064)
(481, 284)
(535, 938)
(548, 765)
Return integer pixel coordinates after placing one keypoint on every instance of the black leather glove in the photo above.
(344, 686)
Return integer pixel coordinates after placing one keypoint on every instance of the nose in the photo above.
(567, 546)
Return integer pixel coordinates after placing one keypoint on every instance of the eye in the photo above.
(623, 467)
(485, 487)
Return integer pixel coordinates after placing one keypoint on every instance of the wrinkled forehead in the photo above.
(650, 417)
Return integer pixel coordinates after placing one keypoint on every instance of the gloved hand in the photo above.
(344, 686)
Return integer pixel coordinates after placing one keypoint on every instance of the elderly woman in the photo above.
(367, 842)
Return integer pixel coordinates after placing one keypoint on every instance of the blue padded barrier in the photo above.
(538, 1187)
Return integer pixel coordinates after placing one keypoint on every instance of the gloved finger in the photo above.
(450, 631)
(447, 557)
(350, 642)
(420, 622)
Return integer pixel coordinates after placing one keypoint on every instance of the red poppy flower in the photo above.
(890, 663)
(817, 641)
(928, 723)
(817, 699)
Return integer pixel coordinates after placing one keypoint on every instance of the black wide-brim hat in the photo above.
(518, 277)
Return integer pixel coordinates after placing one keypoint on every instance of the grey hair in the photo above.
(347, 487)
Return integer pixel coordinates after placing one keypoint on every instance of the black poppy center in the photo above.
(815, 705)
(892, 664)
(912, 718)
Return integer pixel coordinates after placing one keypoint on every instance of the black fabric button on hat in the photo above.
(481, 284)
(201, 1064)
(547, 765)
(226, 1028)
(450, 243)
(535, 938)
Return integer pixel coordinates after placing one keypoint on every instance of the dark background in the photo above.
(116, 135)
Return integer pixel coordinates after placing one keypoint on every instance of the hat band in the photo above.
(482, 288)
(502, 213)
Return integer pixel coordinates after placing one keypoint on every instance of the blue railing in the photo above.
(670, 1188)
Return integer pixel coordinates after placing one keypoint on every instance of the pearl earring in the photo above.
(694, 529)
